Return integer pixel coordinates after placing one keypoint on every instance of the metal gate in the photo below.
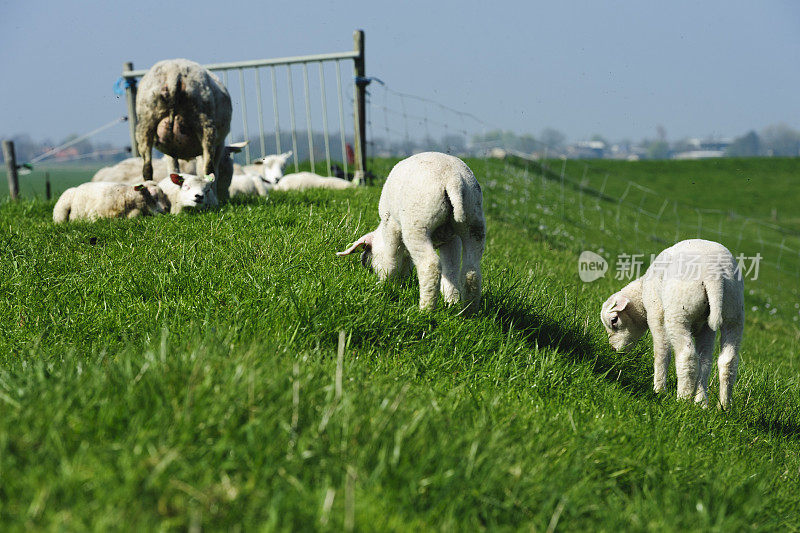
(276, 67)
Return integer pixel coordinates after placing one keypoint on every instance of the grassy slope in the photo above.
(182, 370)
(753, 187)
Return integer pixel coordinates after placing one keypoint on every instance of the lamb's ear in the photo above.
(210, 177)
(177, 179)
(236, 147)
(365, 241)
(620, 303)
(285, 156)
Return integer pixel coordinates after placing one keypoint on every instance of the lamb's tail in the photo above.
(714, 292)
(455, 194)
(63, 207)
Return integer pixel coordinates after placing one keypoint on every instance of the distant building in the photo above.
(704, 149)
(587, 150)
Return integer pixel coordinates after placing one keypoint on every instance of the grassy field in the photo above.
(185, 371)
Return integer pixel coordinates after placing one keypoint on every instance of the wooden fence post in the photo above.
(360, 101)
(130, 97)
(11, 165)
(47, 191)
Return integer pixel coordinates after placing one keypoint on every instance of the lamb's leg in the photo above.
(728, 362)
(705, 349)
(450, 256)
(176, 167)
(686, 360)
(661, 352)
(473, 242)
(429, 269)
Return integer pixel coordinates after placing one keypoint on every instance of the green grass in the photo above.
(178, 371)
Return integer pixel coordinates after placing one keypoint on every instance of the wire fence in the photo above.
(572, 202)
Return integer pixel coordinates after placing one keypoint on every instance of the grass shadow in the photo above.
(513, 314)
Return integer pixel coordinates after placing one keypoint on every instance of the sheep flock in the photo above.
(430, 217)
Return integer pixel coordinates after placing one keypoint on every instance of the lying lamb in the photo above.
(271, 167)
(248, 185)
(430, 200)
(184, 110)
(188, 191)
(301, 181)
(95, 200)
(130, 170)
(692, 290)
(262, 176)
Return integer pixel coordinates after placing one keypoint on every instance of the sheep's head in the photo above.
(195, 192)
(272, 166)
(155, 200)
(622, 328)
(367, 243)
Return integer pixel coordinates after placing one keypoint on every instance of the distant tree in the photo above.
(527, 143)
(748, 145)
(454, 144)
(781, 140)
(552, 139)
(682, 145)
(658, 150)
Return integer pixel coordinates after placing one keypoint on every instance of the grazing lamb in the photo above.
(188, 191)
(692, 290)
(95, 200)
(430, 200)
(185, 111)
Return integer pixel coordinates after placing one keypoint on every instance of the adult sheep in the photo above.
(691, 290)
(430, 201)
(184, 110)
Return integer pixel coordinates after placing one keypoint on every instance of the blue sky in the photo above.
(614, 68)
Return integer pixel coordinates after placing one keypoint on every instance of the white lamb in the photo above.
(248, 185)
(188, 191)
(301, 181)
(130, 170)
(271, 167)
(430, 200)
(259, 178)
(691, 290)
(94, 200)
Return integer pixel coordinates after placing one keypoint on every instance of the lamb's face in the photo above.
(622, 330)
(155, 200)
(272, 170)
(367, 242)
(195, 192)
